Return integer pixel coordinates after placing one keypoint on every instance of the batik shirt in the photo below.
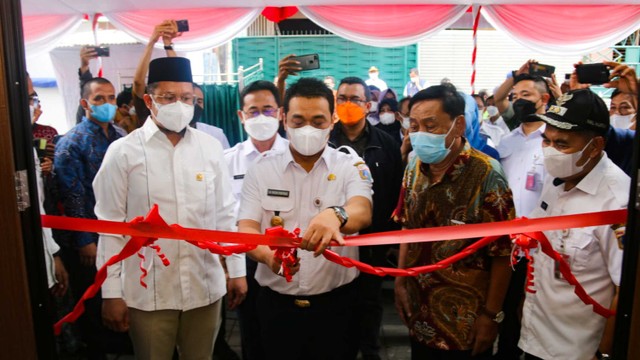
(78, 157)
(445, 303)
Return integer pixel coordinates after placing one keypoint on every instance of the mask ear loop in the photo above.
(449, 132)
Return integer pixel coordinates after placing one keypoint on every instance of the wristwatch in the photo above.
(169, 47)
(496, 317)
(341, 214)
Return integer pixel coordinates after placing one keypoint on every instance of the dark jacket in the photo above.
(382, 156)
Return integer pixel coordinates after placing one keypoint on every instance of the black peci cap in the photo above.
(176, 69)
(578, 109)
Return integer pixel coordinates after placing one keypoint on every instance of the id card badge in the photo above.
(532, 182)
(556, 267)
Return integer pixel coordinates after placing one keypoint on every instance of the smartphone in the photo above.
(183, 25)
(567, 77)
(41, 147)
(308, 62)
(102, 51)
(542, 70)
(595, 74)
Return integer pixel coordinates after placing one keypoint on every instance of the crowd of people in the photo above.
(357, 159)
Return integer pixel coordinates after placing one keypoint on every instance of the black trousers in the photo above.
(99, 339)
(248, 317)
(510, 327)
(364, 333)
(421, 352)
(306, 327)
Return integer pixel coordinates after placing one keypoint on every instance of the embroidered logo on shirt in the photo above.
(544, 206)
(279, 193)
(238, 177)
(363, 170)
(199, 176)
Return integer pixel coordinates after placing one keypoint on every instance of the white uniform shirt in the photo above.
(519, 155)
(214, 131)
(556, 324)
(190, 184)
(240, 157)
(276, 183)
(50, 246)
(379, 83)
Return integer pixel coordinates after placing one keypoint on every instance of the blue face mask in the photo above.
(430, 148)
(103, 113)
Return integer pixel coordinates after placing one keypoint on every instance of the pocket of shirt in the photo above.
(581, 247)
(277, 206)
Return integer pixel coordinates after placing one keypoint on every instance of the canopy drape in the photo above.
(568, 29)
(385, 25)
(43, 32)
(565, 29)
(208, 27)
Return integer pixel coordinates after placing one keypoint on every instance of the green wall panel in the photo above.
(338, 57)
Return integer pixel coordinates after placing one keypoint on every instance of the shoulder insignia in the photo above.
(363, 170)
(619, 231)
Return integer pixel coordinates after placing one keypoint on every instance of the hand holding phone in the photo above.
(543, 70)
(183, 25)
(594, 74)
(101, 51)
(308, 62)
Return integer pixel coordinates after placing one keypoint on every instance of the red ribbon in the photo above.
(144, 231)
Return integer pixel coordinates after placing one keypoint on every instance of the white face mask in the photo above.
(492, 111)
(621, 121)
(174, 117)
(406, 123)
(373, 76)
(387, 118)
(32, 110)
(132, 111)
(374, 107)
(308, 140)
(261, 127)
(561, 165)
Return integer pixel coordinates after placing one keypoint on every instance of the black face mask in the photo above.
(523, 109)
(197, 114)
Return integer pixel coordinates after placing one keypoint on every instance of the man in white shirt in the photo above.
(198, 110)
(181, 169)
(259, 114)
(521, 159)
(323, 192)
(556, 324)
(374, 79)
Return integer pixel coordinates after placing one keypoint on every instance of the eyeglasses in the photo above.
(165, 99)
(266, 112)
(355, 100)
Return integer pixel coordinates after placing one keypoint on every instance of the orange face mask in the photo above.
(350, 113)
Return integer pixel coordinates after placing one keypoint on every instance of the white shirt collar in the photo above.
(591, 181)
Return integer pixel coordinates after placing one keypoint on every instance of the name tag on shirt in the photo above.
(279, 193)
(238, 177)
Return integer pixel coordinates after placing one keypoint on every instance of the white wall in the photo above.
(448, 54)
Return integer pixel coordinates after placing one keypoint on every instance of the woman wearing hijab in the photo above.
(390, 118)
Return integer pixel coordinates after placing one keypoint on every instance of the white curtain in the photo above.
(565, 29)
(385, 25)
(43, 32)
(208, 27)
